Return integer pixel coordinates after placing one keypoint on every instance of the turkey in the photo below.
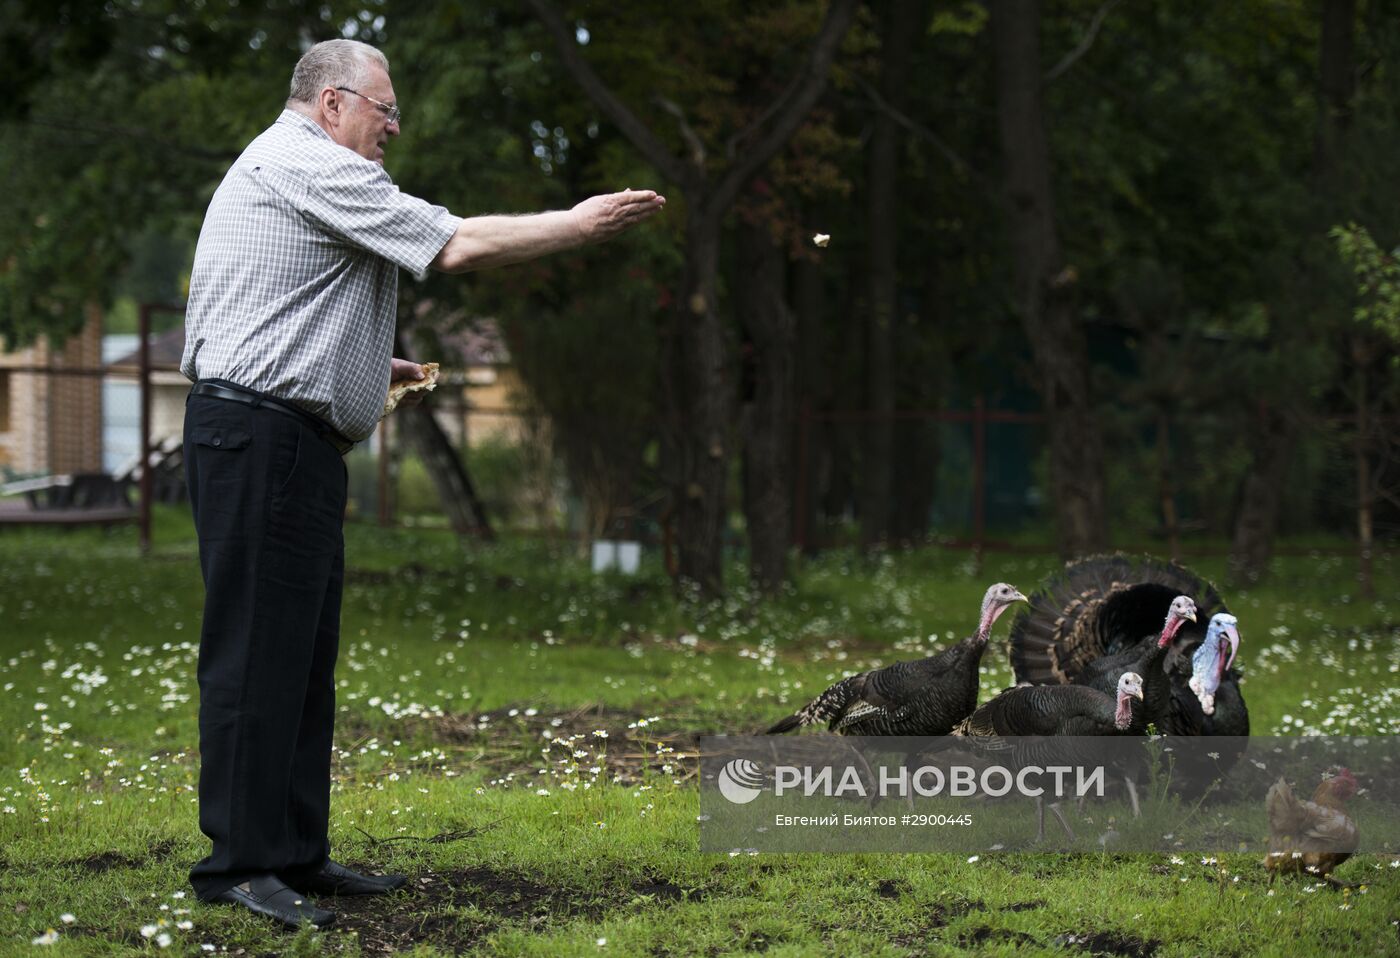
(1206, 698)
(1145, 659)
(1208, 664)
(927, 697)
(1049, 713)
(1106, 606)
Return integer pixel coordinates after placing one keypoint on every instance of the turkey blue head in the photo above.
(997, 600)
(1209, 664)
(1129, 687)
(1182, 610)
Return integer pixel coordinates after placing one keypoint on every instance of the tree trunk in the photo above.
(1273, 440)
(1276, 435)
(1365, 493)
(914, 487)
(454, 486)
(814, 394)
(456, 493)
(1166, 490)
(883, 230)
(699, 399)
(772, 330)
(1043, 284)
(844, 433)
(701, 403)
(1336, 85)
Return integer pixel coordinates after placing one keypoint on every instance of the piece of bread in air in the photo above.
(400, 388)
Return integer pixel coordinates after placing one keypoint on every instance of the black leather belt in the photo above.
(259, 401)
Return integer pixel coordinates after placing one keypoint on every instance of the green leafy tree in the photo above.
(118, 119)
(1375, 446)
(710, 159)
(1377, 280)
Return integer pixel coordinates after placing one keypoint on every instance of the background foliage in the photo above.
(1184, 164)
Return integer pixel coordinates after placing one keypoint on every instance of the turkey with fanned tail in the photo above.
(1116, 607)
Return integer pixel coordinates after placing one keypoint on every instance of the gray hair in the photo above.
(333, 63)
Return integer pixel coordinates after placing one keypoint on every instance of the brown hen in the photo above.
(1311, 837)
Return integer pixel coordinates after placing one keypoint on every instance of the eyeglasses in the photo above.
(391, 113)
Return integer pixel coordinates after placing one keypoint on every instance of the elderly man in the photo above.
(289, 333)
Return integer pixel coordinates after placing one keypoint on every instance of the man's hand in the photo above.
(484, 242)
(401, 369)
(603, 217)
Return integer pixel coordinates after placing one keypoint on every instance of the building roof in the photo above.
(480, 344)
(167, 349)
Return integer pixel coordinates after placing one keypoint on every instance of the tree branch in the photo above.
(924, 133)
(692, 140)
(1070, 58)
(631, 126)
(731, 146)
(811, 81)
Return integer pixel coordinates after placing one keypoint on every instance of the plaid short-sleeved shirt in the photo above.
(296, 274)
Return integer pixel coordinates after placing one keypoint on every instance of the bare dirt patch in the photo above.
(456, 910)
(984, 933)
(509, 739)
(937, 916)
(891, 888)
(1110, 943)
(106, 861)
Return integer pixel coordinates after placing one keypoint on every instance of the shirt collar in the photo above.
(301, 120)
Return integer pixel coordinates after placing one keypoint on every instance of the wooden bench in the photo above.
(83, 492)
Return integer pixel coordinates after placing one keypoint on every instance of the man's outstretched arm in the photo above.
(482, 242)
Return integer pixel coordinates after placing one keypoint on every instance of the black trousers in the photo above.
(268, 495)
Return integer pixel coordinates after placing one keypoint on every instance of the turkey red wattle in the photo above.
(1129, 688)
(1182, 610)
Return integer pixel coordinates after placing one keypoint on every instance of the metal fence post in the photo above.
(979, 478)
(146, 485)
(385, 511)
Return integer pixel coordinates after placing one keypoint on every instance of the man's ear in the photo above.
(330, 101)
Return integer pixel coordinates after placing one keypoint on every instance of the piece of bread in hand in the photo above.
(400, 388)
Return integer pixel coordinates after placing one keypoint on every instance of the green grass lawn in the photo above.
(473, 683)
